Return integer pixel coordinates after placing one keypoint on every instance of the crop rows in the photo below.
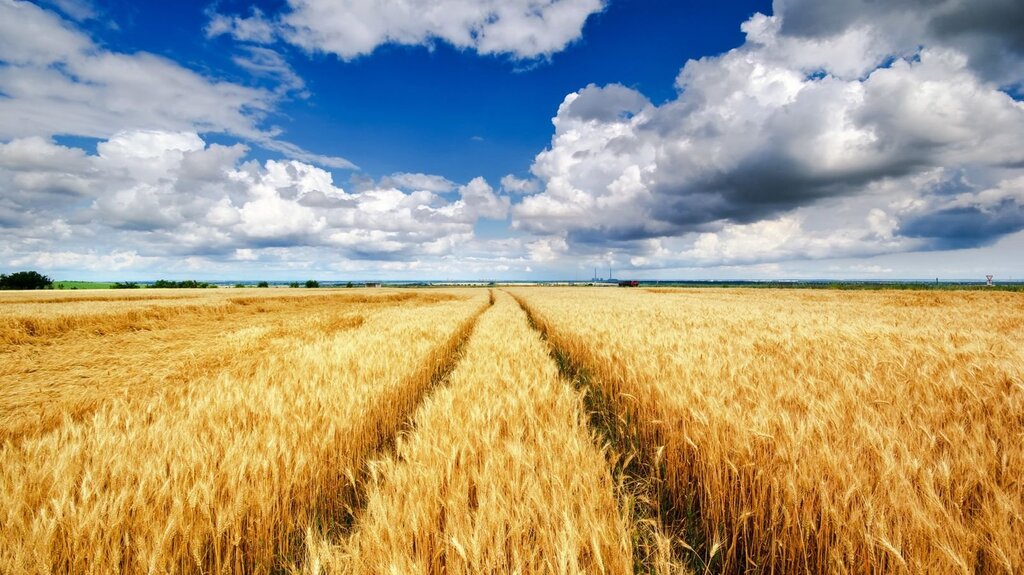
(498, 474)
(221, 471)
(553, 430)
(818, 432)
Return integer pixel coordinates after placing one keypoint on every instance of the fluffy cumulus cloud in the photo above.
(56, 80)
(155, 197)
(514, 185)
(172, 197)
(830, 133)
(351, 28)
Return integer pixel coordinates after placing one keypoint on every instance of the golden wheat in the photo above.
(219, 470)
(818, 431)
(229, 431)
(71, 362)
(500, 474)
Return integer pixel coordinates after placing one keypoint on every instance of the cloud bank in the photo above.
(829, 133)
(172, 195)
(839, 130)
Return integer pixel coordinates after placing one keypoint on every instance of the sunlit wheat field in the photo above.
(511, 430)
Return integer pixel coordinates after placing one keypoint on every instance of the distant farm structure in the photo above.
(629, 283)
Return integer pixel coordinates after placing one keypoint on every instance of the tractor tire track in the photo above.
(435, 373)
(500, 474)
(637, 468)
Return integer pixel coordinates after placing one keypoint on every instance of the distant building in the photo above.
(629, 283)
(372, 284)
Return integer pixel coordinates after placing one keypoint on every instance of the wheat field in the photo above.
(216, 457)
(499, 475)
(519, 430)
(870, 432)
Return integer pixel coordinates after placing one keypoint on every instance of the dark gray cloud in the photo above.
(607, 104)
(767, 184)
(612, 236)
(1000, 20)
(819, 18)
(990, 32)
(967, 226)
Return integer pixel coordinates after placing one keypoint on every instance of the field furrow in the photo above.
(220, 472)
(499, 474)
(816, 432)
(640, 487)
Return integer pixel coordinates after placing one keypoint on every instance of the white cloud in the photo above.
(78, 10)
(56, 80)
(592, 171)
(33, 153)
(851, 54)
(789, 147)
(171, 195)
(293, 151)
(861, 269)
(116, 260)
(547, 249)
(265, 63)
(32, 36)
(252, 28)
(781, 239)
(510, 184)
(479, 200)
(417, 181)
(352, 28)
(276, 218)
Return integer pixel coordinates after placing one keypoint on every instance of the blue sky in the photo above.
(440, 109)
(528, 139)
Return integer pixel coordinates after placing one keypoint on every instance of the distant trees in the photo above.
(181, 284)
(25, 280)
(125, 285)
(312, 284)
(263, 284)
(293, 285)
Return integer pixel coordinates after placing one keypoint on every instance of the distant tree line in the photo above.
(182, 284)
(28, 280)
(25, 280)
